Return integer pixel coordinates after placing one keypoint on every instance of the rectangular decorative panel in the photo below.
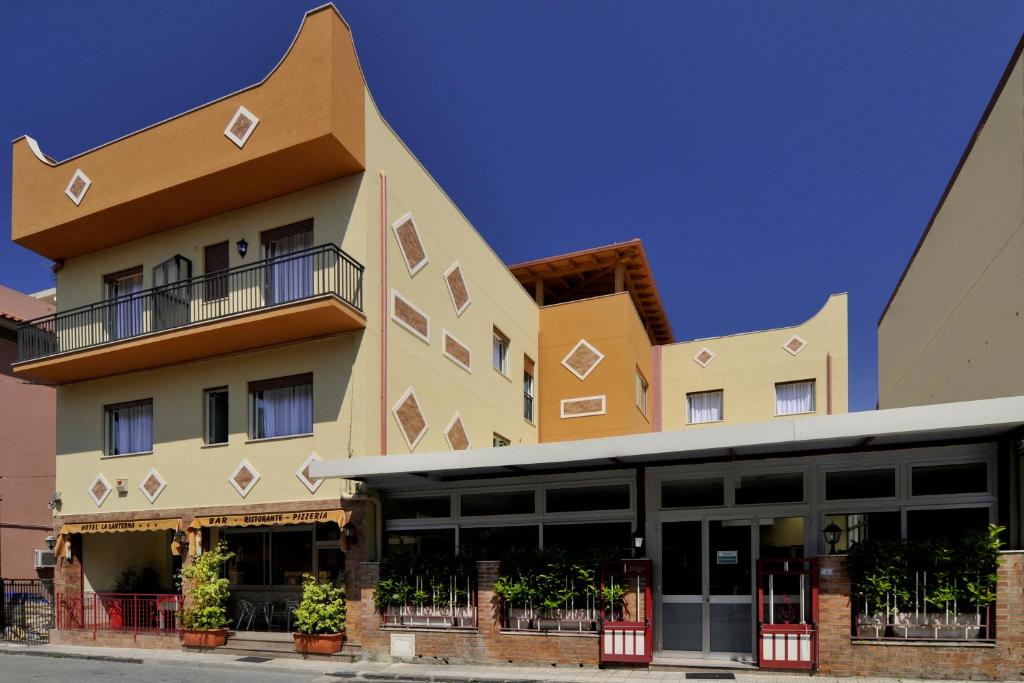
(457, 288)
(409, 316)
(457, 352)
(408, 236)
(583, 406)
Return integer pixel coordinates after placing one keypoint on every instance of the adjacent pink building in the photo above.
(27, 447)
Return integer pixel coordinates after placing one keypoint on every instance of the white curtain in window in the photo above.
(793, 398)
(704, 407)
(285, 411)
(131, 429)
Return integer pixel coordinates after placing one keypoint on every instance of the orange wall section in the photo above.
(611, 325)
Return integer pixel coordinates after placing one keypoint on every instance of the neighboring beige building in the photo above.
(290, 285)
(953, 329)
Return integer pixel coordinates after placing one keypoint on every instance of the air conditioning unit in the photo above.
(44, 559)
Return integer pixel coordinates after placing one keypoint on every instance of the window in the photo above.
(215, 416)
(794, 398)
(290, 276)
(862, 526)
(129, 427)
(930, 525)
(770, 488)
(641, 393)
(124, 314)
(498, 503)
(688, 493)
(497, 440)
(426, 507)
(215, 259)
(170, 304)
(944, 480)
(500, 352)
(527, 389)
(587, 498)
(880, 483)
(281, 407)
(494, 542)
(704, 406)
(598, 536)
(280, 555)
(423, 541)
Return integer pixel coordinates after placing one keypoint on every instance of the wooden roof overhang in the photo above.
(593, 272)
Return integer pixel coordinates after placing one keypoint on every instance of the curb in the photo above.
(70, 655)
(421, 678)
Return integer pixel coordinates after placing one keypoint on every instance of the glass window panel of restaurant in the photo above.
(279, 556)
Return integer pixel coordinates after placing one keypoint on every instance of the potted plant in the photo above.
(319, 618)
(205, 620)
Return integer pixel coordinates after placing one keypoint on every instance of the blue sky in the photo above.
(768, 154)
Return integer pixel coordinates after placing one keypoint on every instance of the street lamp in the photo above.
(832, 533)
(243, 247)
(638, 543)
(51, 542)
(349, 532)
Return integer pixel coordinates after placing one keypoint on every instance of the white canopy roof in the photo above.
(898, 427)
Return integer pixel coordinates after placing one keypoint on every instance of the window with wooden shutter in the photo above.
(215, 260)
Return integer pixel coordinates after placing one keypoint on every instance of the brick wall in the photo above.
(114, 639)
(841, 655)
(487, 643)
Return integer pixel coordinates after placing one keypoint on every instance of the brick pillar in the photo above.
(357, 601)
(488, 615)
(362, 624)
(67, 575)
(833, 613)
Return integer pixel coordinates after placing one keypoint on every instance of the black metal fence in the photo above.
(26, 610)
(313, 272)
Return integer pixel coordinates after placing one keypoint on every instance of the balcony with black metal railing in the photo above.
(306, 294)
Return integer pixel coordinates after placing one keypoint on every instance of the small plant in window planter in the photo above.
(205, 620)
(614, 598)
(319, 618)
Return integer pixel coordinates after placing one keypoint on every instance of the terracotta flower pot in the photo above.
(318, 643)
(214, 637)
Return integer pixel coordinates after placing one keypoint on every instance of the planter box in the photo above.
(318, 644)
(208, 638)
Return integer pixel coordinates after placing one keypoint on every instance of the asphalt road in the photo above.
(21, 668)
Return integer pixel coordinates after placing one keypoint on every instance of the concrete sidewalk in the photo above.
(400, 672)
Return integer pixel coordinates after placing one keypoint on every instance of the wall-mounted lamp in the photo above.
(832, 533)
(349, 532)
(51, 542)
(638, 543)
(181, 538)
(242, 246)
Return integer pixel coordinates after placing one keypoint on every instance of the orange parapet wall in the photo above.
(590, 354)
(302, 125)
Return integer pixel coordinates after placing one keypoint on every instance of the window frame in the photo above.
(207, 393)
(721, 409)
(108, 426)
(496, 437)
(529, 391)
(500, 340)
(279, 383)
(814, 396)
(642, 387)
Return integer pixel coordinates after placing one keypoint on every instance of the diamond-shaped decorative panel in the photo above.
(455, 434)
(152, 485)
(408, 236)
(244, 478)
(311, 483)
(457, 288)
(99, 489)
(704, 357)
(583, 358)
(241, 126)
(78, 186)
(794, 344)
(411, 421)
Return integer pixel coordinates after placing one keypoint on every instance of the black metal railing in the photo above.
(314, 272)
(26, 610)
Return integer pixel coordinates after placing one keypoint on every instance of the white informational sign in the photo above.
(727, 557)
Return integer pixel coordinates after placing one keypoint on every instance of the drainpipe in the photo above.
(383, 313)
(828, 382)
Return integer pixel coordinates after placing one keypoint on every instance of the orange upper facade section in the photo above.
(306, 126)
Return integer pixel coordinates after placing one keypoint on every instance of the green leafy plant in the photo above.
(322, 609)
(613, 596)
(207, 590)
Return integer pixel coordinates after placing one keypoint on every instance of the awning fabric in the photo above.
(339, 517)
(117, 526)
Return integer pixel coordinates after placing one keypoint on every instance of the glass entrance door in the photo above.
(707, 588)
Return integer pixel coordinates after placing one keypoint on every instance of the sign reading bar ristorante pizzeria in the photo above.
(270, 518)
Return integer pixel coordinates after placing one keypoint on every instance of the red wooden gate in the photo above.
(787, 613)
(626, 625)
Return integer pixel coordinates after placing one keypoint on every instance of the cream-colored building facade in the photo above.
(953, 328)
(412, 333)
